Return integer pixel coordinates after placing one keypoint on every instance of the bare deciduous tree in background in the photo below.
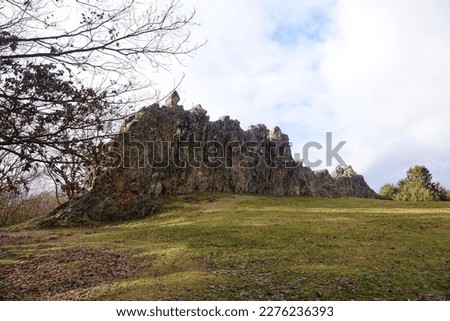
(71, 67)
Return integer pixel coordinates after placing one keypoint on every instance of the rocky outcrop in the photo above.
(168, 150)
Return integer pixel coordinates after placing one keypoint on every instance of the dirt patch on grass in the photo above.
(66, 274)
(22, 238)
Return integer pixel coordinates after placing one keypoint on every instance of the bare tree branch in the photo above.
(68, 73)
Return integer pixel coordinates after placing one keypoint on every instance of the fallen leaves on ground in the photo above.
(66, 274)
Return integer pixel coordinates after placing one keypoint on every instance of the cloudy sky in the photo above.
(374, 73)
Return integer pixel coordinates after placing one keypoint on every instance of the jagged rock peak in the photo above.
(276, 134)
(198, 109)
(169, 150)
(173, 99)
(343, 171)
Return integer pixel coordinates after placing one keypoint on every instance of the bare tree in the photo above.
(14, 184)
(13, 178)
(67, 68)
(102, 36)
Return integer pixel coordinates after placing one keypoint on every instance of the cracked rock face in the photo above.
(168, 150)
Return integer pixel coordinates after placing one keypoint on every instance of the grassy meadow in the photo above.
(239, 247)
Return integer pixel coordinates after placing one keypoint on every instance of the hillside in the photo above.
(239, 247)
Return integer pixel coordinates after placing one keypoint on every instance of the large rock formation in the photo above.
(168, 150)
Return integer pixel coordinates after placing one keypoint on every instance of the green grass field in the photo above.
(240, 247)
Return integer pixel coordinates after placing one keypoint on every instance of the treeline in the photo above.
(418, 186)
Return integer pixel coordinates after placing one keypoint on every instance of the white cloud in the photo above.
(375, 73)
(387, 74)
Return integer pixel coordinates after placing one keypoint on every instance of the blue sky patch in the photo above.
(292, 33)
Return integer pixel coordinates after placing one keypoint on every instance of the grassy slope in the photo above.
(242, 247)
